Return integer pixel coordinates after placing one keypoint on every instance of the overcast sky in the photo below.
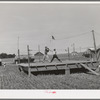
(34, 24)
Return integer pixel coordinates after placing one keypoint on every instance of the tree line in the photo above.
(5, 55)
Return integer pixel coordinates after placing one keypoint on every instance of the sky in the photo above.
(34, 24)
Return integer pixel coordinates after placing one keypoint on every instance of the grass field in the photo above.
(12, 78)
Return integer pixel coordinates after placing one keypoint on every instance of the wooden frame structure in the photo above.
(31, 67)
(36, 67)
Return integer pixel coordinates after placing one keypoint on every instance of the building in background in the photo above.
(38, 56)
(24, 59)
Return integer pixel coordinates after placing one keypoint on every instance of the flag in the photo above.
(53, 38)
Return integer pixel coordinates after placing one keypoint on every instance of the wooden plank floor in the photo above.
(65, 65)
(54, 63)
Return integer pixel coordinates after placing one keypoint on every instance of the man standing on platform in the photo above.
(46, 57)
(55, 56)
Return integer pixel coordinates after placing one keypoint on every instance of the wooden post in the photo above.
(85, 66)
(18, 56)
(94, 44)
(73, 45)
(29, 71)
(68, 54)
(67, 70)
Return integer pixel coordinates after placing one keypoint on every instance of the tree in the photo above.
(5, 55)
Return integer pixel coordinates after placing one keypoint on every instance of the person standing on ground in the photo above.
(46, 57)
(4, 64)
(55, 56)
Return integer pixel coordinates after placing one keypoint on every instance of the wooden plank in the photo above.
(77, 65)
(56, 67)
(67, 70)
(61, 67)
(92, 64)
(36, 68)
(29, 71)
(52, 68)
(45, 66)
(33, 69)
(53, 64)
(43, 69)
(24, 68)
(85, 66)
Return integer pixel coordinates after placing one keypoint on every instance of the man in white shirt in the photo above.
(55, 56)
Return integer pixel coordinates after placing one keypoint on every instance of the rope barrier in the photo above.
(74, 36)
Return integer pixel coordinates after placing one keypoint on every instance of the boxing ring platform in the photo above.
(65, 65)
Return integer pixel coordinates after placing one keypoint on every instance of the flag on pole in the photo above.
(53, 37)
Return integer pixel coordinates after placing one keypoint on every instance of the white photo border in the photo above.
(43, 94)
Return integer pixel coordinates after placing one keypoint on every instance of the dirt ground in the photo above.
(12, 78)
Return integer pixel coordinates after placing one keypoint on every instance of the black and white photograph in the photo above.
(52, 46)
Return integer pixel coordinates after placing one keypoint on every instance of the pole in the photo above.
(18, 56)
(29, 72)
(94, 44)
(18, 43)
(73, 47)
(68, 54)
(39, 52)
(18, 52)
